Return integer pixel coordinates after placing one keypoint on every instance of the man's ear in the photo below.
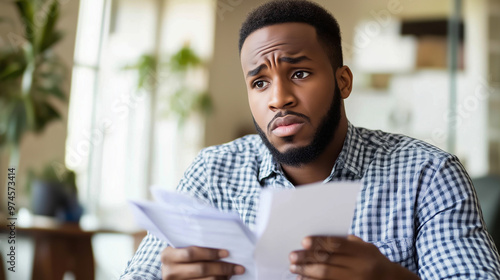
(344, 80)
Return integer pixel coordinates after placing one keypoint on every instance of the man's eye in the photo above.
(300, 75)
(260, 84)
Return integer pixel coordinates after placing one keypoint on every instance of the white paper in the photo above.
(319, 209)
(284, 218)
(181, 228)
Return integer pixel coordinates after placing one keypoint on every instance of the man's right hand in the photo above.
(197, 263)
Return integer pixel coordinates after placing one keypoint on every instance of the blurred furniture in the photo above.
(488, 192)
(138, 236)
(60, 248)
(2, 269)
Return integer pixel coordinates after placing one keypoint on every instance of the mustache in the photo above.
(281, 114)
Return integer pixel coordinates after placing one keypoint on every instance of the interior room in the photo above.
(128, 93)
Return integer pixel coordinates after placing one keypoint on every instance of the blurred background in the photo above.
(100, 99)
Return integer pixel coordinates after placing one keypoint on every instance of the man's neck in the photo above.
(319, 169)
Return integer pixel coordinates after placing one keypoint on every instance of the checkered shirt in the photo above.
(417, 203)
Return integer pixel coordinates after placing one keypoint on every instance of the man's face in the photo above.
(291, 87)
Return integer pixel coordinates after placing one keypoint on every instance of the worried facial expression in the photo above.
(292, 91)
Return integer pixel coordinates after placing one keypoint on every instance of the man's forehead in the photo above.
(286, 38)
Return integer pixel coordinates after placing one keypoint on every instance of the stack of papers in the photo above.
(284, 218)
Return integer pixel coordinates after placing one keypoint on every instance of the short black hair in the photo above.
(283, 11)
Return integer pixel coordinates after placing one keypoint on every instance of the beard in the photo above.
(322, 137)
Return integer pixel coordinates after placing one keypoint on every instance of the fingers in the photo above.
(197, 263)
(349, 257)
(214, 278)
(201, 270)
(333, 244)
(354, 238)
(191, 254)
(312, 257)
(320, 271)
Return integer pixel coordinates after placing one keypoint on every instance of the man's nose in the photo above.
(282, 96)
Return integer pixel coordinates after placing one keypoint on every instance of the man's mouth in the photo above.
(286, 126)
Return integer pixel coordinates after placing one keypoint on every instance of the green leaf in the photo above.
(12, 64)
(28, 78)
(51, 40)
(183, 59)
(12, 71)
(146, 68)
(3, 141)
(48, 35)
(203, 103)
(44, 114)
(17, 122)
(26, 9)
(30, 177)
(53, 91)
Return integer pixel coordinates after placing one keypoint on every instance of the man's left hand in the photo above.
(328, 257)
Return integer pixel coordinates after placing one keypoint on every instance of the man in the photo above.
(418, 216)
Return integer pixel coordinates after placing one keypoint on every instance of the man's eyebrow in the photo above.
(256, 70)
(294, 60)
(291, 60)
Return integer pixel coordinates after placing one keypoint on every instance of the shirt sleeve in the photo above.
(146, 262)
(452, 241)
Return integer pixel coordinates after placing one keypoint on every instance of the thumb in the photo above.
(354, 238)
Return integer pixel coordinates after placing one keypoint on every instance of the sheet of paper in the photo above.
(286, 217)
(182, 229)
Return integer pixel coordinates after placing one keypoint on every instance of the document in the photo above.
(284, 218)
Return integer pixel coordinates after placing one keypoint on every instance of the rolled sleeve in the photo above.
(146, 262)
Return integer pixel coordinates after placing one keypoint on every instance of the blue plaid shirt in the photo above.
(418, 205)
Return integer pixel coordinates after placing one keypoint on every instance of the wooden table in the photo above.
(60, 248)
(2, 271)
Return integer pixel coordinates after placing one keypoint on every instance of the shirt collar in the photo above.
(350, 157)
(268, 164)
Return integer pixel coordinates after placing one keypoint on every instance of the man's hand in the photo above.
(328, 257)
(197, 263)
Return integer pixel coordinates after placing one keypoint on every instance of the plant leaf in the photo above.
(48, 35)
(203, 103)
(26, 11)
(17, 122)
(12, 71)
(53, 91)
(183, 59)
(44, 114)
(50, 41)
(12, 64)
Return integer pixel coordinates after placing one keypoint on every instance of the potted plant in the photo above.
(31, 75)
(54, 193)
(183, 99)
